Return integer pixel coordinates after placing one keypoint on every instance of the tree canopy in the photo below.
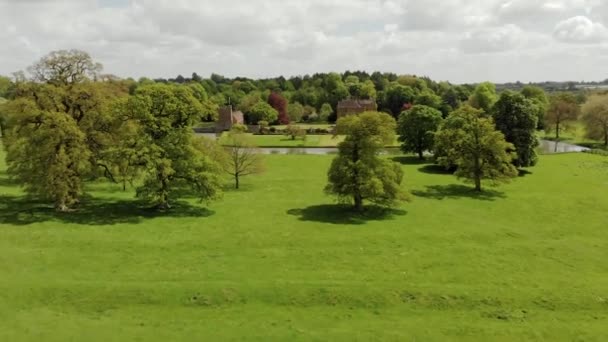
(595, 117)
(516, 117)
(358, 174)
(417, 127)
(479, 151)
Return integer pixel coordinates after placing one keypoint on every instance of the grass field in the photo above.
(278, 260)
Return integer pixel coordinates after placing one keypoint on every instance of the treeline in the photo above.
(68, 123)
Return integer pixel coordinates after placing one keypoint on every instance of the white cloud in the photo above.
(490, 40)
(580, 29)
(459, 40)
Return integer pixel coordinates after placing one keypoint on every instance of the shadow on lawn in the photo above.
(344, 214)
(440, 192)
(410, 160)
(21, 211)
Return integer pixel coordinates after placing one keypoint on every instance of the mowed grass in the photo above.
(278, 260)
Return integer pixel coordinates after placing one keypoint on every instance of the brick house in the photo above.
(353, 107)
(227, 118)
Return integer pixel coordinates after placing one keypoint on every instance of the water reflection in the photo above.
(548, 147)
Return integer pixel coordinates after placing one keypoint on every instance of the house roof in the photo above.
(356, 103)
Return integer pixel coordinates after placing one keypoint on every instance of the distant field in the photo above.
(279, 260)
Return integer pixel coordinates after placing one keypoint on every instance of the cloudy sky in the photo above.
(455, 40)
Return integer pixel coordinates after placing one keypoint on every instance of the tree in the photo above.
(48, 155)
(58, 132)
(483, 97)
(65, 67)
(242, 157)
(279, 103)
(358, 174)
(595, 117)
(428, 98)
(479, 151)
(563, 108)
(262, 111)
(325, 112)
(516, 117)
(397, 96)
(295, 112)
(248, 101)
(294, 132)
(5, 86)
(539, 99)
(417, 127)
(168, 153)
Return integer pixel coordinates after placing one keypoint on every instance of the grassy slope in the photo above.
(277, 261)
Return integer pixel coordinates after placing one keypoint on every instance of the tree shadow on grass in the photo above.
(452, 191)
(21, 211)
(410, 160)
(345, 214)
(523, 173)
(434, 169)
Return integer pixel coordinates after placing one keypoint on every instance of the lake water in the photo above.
(549, 147)
(545, 147)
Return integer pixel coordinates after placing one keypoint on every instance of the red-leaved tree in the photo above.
(278, 102)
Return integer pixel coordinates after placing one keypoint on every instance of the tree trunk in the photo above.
(421, 155)
(477, 183)
(236, 181)
(61, 207)
(358, 202)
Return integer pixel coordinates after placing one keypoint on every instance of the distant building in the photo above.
(353, 107)
(228, 118)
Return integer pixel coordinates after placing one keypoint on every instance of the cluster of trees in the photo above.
(67, 124)
(314, 98)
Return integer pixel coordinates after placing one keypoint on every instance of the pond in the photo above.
(550, 147)
(545, 147)
(317, 150)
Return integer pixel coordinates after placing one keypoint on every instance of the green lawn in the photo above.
(278, 260)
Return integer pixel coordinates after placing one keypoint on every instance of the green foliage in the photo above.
(540, 100)
(429, 99)
(65, 67)
(5, 86)
(595, 117)
(563, 110)
(358, 174)
(483, 97)
(325, 112)
(57, 133)
(516, 117)
(417, 127)
(295, 132)
(48, 154)
(480, 152)
(262, 111)
(168, 153)
(397, 96)
(295, 112)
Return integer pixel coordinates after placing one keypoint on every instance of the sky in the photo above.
(462, 41)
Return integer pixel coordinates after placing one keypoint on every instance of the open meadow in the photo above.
(279, 260)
